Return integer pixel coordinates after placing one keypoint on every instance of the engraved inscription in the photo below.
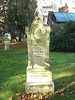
(38, 55)
(38, 76)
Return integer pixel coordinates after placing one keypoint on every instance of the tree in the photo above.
(2, 18)
(31, 6)
(19, 13)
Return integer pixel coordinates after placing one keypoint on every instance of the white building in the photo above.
(43, 6)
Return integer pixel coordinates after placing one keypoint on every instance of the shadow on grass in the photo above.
(64, 82)
(64, 88)
(13, 74)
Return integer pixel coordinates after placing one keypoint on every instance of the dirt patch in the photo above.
(17, 43)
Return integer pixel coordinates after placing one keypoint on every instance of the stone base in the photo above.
(33, 87)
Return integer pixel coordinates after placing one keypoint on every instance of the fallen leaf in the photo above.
(62, 90)
(57, 92)
(32, 97)
(40, 97)
(10, 98)
(24, 83)
(35, 96)
(62, 94)
(50, 94)
(19, 77)
(67, 96)
(46, 97)
(2, 95)
(5, 84)
(73, 82)
(23, 96)
(17, 94)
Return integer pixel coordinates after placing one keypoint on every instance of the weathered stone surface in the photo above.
(7, 46)
(35, 87)
(39, 74)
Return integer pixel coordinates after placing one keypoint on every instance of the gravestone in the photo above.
(7, 46)
(39, 73)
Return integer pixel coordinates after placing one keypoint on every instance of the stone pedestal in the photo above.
(39, 73)
(39, 79)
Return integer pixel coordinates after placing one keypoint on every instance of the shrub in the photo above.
(65, 41)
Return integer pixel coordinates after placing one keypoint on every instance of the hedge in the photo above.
(65, 41)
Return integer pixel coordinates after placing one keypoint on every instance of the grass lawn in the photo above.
(13, 65)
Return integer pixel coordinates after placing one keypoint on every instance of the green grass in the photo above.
(13, 65)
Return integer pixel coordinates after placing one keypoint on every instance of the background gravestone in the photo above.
(39, 74)
(7, 46)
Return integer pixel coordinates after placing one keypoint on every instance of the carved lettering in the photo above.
(38, 55)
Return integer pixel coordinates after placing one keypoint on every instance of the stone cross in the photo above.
(7, 46)
(39, 74)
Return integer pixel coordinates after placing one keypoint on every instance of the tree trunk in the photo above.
(20, 37)
(13, 37)
(29, 14)
(29, 19)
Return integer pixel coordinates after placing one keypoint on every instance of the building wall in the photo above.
(43, 6)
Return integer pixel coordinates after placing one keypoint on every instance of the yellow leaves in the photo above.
(19, 77)
(1, 95)
(43, 96)
(73, 82)
(57, 92)
(10, 98)
(32, 97)
(50, 94)
(17, 94)
(40, 97)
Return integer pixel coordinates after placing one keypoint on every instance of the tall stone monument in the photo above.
(7, 46)
(39, 74)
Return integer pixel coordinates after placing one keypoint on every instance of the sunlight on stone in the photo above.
(38, 70)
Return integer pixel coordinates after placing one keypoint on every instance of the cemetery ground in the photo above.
(13, 65)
